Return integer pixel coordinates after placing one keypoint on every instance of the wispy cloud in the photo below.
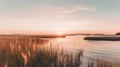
(64, 9)
(46, 11)
(73, 9)
(41, 12)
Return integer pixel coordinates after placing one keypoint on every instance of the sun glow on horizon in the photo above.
(60, 32)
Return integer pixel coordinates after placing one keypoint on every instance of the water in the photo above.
(92, 50)
(108, 48)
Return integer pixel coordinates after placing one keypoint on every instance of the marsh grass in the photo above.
(105, 63)
(28, 52)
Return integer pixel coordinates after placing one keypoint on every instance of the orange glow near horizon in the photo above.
(60, 33)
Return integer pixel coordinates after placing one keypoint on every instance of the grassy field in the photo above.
(28, 52)
(104, 63)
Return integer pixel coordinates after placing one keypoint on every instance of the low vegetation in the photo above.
(28, 52)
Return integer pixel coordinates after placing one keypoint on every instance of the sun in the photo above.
(60, 33)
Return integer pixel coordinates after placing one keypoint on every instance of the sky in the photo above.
(59, 15)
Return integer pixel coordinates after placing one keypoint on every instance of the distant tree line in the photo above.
(118, 33)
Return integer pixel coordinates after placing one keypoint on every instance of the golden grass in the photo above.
(28, 52)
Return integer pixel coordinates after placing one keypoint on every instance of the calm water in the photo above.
(92, 49)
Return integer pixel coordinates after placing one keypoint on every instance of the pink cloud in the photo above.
(41, 12)
(73, 9)
(47, 9)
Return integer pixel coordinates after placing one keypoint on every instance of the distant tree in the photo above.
(118, 33)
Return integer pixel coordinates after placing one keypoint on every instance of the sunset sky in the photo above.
(59, 15)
